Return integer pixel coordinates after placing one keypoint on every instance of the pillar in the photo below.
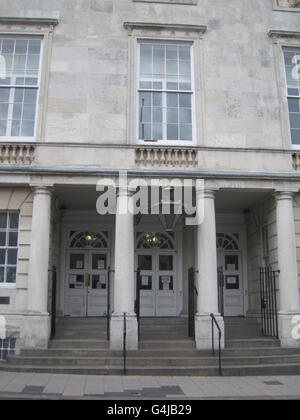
(287, 264)
(124, 284)
(35, 331)
(207, 278)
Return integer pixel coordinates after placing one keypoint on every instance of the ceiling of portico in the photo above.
(235, 201)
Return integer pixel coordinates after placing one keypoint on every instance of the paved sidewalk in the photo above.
(54, 386)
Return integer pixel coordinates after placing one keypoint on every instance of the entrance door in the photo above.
(233, 286)
(158, 283)
(86, 283)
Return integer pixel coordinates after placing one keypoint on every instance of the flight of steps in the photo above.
(164, 350)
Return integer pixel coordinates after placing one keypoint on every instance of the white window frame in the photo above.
(164, 91)
(14, 86)
(284, 39)
(176, 33)
(286, 84)
(7, 230)
(42, 28)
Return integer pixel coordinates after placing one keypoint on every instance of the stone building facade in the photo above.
(159, 89)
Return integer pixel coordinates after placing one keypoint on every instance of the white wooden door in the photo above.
(86, 283)
(158, 283)
(231, 263)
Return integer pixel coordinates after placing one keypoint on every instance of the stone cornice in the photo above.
(9, 20)
(274, 33)
(165, 26)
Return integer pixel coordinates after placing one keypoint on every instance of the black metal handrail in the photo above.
(108, 302)
(137, 304)
(192, 301)
(214, 322)
(124, 343)
(53, 303)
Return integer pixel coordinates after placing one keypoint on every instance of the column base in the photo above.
(203, 332)
(35, 330)
(289, 329)
(117, 332)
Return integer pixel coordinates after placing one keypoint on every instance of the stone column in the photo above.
(287, 264)
(207, 278)
(124, 284)
(36, 322)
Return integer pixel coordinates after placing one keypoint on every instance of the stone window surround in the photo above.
(42, 27)
(164, 32)
(293, 9)
(280, 40)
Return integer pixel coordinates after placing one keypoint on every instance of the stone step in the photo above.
(152, 361)
(188, 352)
(259, 342)
(80, 343)
(255, 370)
(161, 344)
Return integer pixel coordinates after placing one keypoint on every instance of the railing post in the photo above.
(124, 343)
(214, 321)
(138, 300)
(53, 303)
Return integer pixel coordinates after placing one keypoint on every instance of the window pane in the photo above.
(184, 53)
(8, 46)
(2, 256)
(2, 128)
(145, 131)
(77, 261)
(185, 100)
(12, 256)
(27, 128)
(185, 132)
(172, 115)
(172, 99)
(17, 111)
(2, 238)
(145, 114)
(14, 220)
(145, 99)
(11, 274)
(157, 114)
(3, 220)
(165, 262)
(185, 115)
(21, 46)
(294, 105)
(157, 131)
(157, 99)
(171, 52)
(34, 46)
(295, 136)
(28, 112)
(145, 262)
(13, 239)
(30, 96)
(15, 128)
(4, 94)
(172, 132)
(1, 274)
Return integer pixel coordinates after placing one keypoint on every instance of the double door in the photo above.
(233, 296)
(158, 283)
(86, 283)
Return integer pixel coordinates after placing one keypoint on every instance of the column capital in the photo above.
(284, 195)
(42, 188)
(206, 192)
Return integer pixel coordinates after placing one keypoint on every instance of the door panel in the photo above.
(76, 291)
(97, 288)
(158, 297)
(86, 283)
(233, 285)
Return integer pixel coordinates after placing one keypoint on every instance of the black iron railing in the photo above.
(53, 303)
(124, 343)
(268, 290)
(221, 291)
(108, 302)
(215, 323)
(137, 304)
(192, 301)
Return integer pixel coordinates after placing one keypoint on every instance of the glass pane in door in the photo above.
(165, 262)
(77, 261)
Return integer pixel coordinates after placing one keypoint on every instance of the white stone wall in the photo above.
(86, 100)
(18, 199)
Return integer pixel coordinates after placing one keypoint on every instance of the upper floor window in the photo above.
(165, 92)
(9, 228)
(19, 85)
(292, 69)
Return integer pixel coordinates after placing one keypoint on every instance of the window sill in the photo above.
(8, 285)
